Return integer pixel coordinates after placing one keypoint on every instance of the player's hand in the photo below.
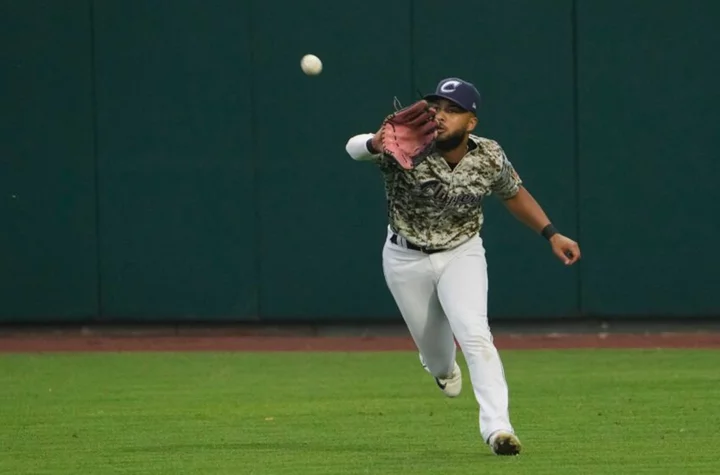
(377, 140)
(565, 249)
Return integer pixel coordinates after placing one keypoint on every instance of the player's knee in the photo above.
(477, 340)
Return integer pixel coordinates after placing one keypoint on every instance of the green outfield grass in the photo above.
(577, 412)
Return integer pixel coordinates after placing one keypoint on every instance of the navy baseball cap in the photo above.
(458, 91)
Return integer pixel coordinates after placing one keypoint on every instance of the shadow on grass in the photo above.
(410, 450)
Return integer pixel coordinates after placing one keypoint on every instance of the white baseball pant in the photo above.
(444, 294)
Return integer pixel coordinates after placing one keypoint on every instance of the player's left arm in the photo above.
(518, 200)
(361, 148)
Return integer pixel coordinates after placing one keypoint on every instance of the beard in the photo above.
(450, 142)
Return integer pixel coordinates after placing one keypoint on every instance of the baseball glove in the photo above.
(408, 135)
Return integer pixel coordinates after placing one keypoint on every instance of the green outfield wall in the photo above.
(168, 160)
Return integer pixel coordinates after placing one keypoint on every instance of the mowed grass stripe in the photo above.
(577, 412)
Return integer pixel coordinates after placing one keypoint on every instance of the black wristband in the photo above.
(370, 147)
(548, 231)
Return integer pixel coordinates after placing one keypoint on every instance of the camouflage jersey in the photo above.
(436, 207)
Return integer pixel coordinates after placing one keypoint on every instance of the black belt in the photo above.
(393, 239)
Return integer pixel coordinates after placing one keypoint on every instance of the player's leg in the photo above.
(410, 277)
(462, 291)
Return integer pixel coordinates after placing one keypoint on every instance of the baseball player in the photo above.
(436, 174)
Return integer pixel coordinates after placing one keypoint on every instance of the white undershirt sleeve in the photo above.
(356, 147)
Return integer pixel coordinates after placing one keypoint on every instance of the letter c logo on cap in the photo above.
(449, 86)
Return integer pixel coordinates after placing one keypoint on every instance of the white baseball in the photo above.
(311, 65)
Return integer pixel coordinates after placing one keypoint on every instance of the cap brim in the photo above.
(430, 97)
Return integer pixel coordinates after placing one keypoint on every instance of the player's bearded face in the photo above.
(450, 140)
(453, 128)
